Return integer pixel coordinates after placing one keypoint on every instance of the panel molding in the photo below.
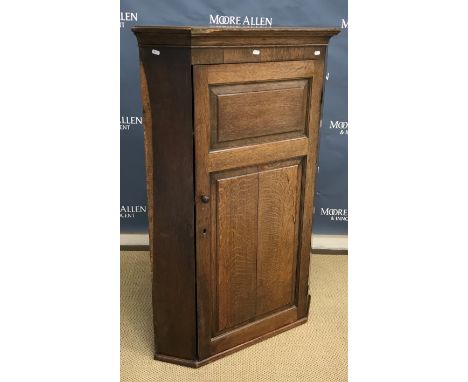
(256, 110)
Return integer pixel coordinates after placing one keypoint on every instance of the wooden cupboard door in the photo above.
(256, 134)
(254, 215)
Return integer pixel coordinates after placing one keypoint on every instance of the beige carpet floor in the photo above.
(315, 351)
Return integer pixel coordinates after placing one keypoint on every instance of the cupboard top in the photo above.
(232, 36)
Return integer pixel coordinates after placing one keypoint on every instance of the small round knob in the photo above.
(205, 198)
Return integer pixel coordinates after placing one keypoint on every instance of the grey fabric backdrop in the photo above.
(331, 204)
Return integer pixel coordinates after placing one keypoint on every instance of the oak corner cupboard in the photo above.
(231, 121)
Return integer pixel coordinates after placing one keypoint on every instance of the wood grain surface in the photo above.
(236, 249)
(231, 118)
(255, 110)
(239, 37)
(166, 86)
(251, 258)
(277, 221)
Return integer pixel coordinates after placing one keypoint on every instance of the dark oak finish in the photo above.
(231, 55)
(208, 37)
(254, 311)
(236, 249)
(256, 110)
(231, 121)
(278, 213)
(166, 86)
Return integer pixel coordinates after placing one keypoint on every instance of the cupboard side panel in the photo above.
(148, 143)
(169, 87)
(310, 169)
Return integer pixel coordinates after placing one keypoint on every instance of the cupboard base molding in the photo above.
(197, 364)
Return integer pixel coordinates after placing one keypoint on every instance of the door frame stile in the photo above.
(203, 210)
(309, 174)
